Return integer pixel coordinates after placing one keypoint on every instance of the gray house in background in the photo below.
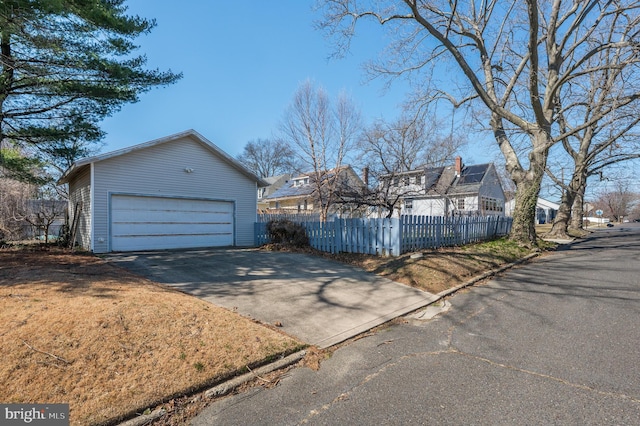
(180, 191)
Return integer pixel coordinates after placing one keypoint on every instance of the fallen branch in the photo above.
(46, 353)
(263, 379)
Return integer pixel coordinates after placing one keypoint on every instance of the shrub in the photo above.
(284, 231)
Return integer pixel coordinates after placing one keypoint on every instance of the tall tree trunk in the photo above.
(567, 212)
(561, 221)
(524, 213)
(527, 183)
(6, 76)
(577, 222)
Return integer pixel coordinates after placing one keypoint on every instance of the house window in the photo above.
(396, 181)
(492, 204)
(261, 192)
(408, 203)
(460, 203)
(405, 181)
(301, 181)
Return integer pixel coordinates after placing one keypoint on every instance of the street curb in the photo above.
(224, 388)
(484, 276)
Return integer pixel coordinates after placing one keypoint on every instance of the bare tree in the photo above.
(391, 149)
(13, 201)
(268, 157)
(598, 119)
(322, 135)
(617, 203)
(515, 58)
(635, 208)
(41, 214)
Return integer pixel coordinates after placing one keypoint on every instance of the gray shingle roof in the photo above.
(288, 190)
(443, 180)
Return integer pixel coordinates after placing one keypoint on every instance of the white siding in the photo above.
(80, 192)
(428, 207)
(159, 170)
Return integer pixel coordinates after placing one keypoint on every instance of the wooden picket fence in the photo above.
(293, 217)
(392, 237)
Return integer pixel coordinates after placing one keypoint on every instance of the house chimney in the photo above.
(365, 176)
(458, 165)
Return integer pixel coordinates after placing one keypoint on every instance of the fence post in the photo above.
(338, 235)
(396, 237)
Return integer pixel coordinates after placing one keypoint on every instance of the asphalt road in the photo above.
(553, 342)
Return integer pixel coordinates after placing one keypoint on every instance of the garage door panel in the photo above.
(146, 242)
(162, 228)
(148, 223)
(159, 215)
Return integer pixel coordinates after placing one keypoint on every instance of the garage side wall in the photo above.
(80, 196)
(184, 168)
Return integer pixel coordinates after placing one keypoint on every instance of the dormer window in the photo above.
(301, 181)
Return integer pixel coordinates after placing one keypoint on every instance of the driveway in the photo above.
(318, 301)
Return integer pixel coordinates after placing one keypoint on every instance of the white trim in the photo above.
(92, 206)
(546, 204)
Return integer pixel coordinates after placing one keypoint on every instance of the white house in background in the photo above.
(447, 191)
(275, 183)
(546, 210)
(179, 191)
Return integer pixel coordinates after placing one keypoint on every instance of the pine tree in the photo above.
(66, 65)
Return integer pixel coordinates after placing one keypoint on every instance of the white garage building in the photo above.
(180, 191)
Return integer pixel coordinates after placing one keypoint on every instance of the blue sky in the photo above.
(242, 62)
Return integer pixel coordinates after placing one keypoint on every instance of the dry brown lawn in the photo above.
(75, 329)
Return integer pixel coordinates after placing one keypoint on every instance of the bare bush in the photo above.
(286, 232)
(13, 201)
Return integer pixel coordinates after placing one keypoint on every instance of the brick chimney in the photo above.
(458, 165)
(365, 176)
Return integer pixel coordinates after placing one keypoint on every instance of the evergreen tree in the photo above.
(66, 65)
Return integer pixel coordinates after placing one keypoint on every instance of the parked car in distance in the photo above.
(609, 225)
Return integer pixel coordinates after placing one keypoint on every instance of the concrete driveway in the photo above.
(318, 301)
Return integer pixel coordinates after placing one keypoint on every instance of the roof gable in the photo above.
(192, 134)
(293, 189)
(444, 180)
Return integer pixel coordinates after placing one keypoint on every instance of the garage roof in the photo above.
(66, 177)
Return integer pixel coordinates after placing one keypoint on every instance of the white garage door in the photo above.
(150, 223)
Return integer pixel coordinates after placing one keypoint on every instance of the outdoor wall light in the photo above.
(188, 170)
